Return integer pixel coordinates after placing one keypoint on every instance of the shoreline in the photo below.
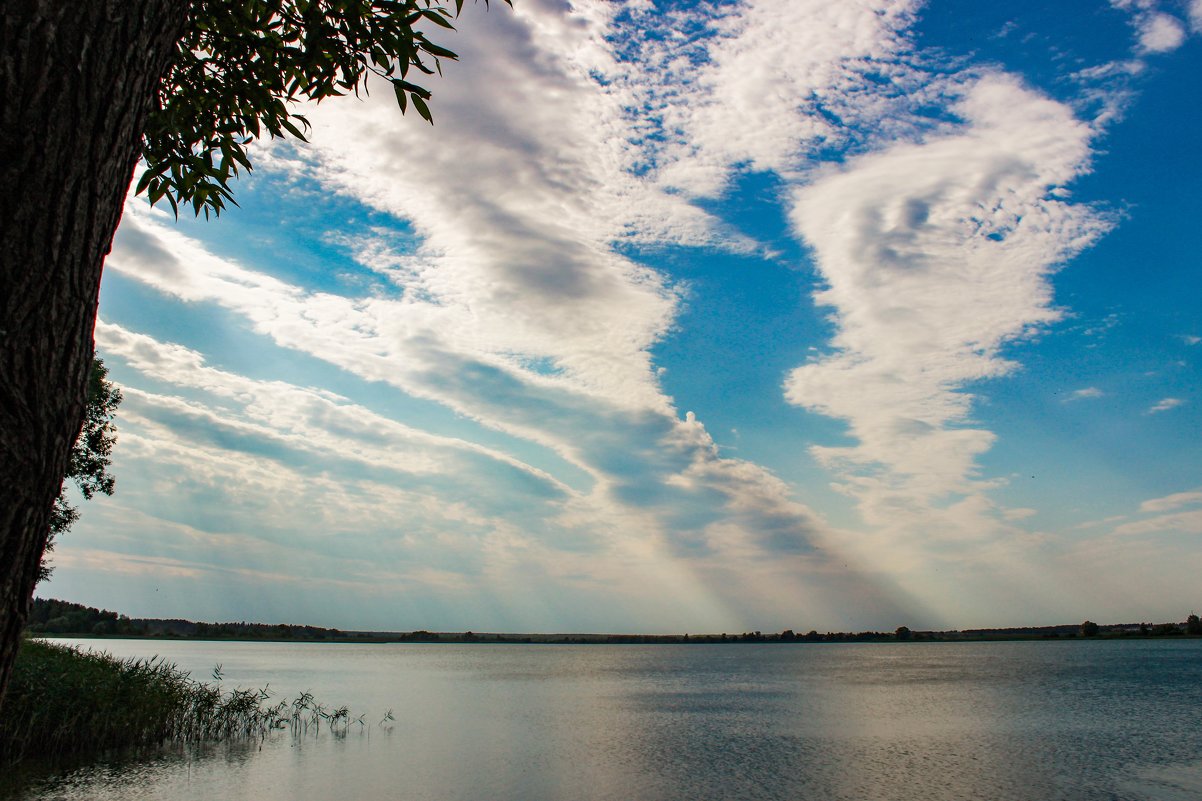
(53, 618)
(450, 638)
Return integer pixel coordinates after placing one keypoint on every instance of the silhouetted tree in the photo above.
(903, 634)
(1089, 629)
(88, 89)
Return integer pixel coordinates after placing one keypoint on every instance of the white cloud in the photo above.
(1164, 405)
(768, 86)
(520, 190)
(1156, 31)
(300, 418)
(1190, 339)
(777, 81)
(1086, 393)
(1110, 69)
(1195, 15)
(1189, 522)
(1171, 502)
(1160, 33)
(1107, 90)
(936, 254)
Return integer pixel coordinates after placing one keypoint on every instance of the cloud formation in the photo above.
(1171, 502)
(936, 233)
(515, 311)
(505, 435)
(1160, 33)
(937, 254)
(766, 86)
(1164, 405)
(1084, 394)
(1156, 30)
(1179, 513)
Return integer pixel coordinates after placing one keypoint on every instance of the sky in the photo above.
(684, 317)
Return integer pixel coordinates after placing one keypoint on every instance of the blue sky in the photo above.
(685, 317)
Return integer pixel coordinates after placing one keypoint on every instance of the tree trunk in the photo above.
(76, 81)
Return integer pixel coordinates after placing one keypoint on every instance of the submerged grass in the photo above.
(63, 701)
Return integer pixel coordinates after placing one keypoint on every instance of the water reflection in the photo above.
(1006, 721)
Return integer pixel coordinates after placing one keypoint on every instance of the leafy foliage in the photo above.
(91, 456)
(242, 63)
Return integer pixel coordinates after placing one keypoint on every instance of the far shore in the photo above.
(63, 619)
(453, 638)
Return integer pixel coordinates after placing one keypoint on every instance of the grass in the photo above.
(63, 701)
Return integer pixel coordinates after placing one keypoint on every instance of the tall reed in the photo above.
(63, 701)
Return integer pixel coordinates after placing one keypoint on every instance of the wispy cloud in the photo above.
(1171, 502)
(1187, 522)
(1164, 405)
(1085, 393)
(769, 85)
(639, 458)
(298, 418)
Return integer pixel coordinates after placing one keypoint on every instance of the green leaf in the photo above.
(422, 108)
(437, 16)
(157, 190)
(292, 129)
(440, 52)
(398, 86)
(143, 182)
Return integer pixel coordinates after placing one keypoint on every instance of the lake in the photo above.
(931, 721)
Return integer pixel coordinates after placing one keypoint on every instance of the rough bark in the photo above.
(77, 80)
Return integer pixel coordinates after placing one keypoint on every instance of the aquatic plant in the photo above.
(63, 701)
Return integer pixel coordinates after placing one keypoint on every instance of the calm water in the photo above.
(1004, 721)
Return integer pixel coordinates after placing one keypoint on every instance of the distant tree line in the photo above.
(62, 617)
(1192, 627)
(49, 616)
